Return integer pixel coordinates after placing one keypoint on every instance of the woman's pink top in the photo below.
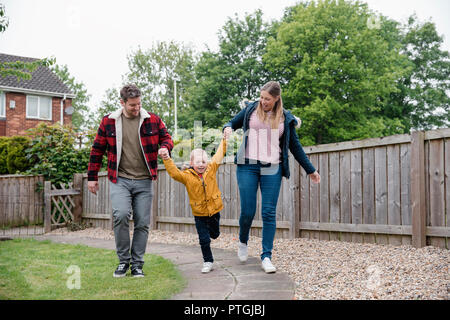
(263, 141)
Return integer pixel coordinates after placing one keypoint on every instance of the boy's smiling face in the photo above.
(199, 160)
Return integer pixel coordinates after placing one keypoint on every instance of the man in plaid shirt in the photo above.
(132, 139)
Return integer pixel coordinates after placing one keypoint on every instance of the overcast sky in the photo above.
(93, 37)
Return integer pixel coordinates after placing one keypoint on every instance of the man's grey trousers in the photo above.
(131, 196)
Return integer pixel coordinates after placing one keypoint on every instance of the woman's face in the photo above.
(267, 101)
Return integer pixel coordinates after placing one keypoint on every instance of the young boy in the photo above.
(204, 195)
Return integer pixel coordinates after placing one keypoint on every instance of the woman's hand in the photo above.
(227, 133)
(315, 177)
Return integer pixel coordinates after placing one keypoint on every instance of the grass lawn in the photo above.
(31, 269)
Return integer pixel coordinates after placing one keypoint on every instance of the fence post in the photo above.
(47, 207)
(417, 198)
(78, 199)
(295, 185)
(154, 212)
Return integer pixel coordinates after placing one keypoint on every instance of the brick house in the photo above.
(26, 103)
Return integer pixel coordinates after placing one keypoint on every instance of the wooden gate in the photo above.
(62, 205)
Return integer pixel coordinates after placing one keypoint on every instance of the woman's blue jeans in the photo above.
(268, 178)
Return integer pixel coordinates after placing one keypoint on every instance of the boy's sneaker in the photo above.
(242, 252)
(268, 266)
(121, 270)
(137, 272)
(207, 267)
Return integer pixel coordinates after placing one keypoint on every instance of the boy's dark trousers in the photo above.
(207, 229)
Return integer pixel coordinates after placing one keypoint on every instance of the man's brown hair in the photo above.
(129, 91)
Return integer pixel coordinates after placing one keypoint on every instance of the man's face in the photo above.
(132, 107)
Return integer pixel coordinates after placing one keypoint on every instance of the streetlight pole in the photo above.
(175, 104)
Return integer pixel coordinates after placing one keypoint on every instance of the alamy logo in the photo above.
(374, 280)
(73, 18)
(74, 280)
(374, 22)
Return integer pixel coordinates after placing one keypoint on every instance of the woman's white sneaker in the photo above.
(242, 252)
(207, 267)
(268, 266)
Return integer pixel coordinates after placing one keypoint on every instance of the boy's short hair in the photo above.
(197, 151)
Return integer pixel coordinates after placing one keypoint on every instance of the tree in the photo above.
(337, 70)
(109, 104)
(154, 71)
(4, 21)
(235, 72)
(81, 114)
(423, 98)
(23, 70)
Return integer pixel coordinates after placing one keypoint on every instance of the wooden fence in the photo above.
(21, 205)
(390, 190)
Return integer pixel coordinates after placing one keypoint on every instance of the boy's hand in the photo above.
(93, 186)
(227, 133)
(164, 153)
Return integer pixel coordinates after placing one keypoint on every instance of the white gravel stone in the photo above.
(334, 269)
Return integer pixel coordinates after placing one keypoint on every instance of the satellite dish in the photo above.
(69, 110)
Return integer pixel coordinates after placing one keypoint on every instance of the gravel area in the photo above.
(333, 269)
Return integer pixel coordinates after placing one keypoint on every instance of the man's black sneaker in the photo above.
(137, 272)
(121, 270)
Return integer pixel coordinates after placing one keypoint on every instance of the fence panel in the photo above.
(368, 185)
(21, 205)
(97, 208)
(365, 190)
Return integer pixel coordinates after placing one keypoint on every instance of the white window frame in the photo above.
(2, 105)
(39, 108)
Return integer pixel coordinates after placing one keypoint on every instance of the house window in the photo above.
(2, 105)
(39, 107)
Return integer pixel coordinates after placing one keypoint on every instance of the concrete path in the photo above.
(229, 280)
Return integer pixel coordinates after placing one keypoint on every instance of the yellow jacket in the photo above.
(205, 197)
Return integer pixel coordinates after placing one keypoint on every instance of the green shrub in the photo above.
(12, 154)
(55, 153)
(16, 160)
(3, 154)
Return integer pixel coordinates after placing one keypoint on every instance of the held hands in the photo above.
(164, 153)
(315, 177)
(227, 133)
(93, 186)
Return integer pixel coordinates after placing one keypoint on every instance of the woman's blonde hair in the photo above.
(274, 89)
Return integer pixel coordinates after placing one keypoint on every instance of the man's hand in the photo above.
(164, 153)
(93, 186)
(227, 133)
(315, 177)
